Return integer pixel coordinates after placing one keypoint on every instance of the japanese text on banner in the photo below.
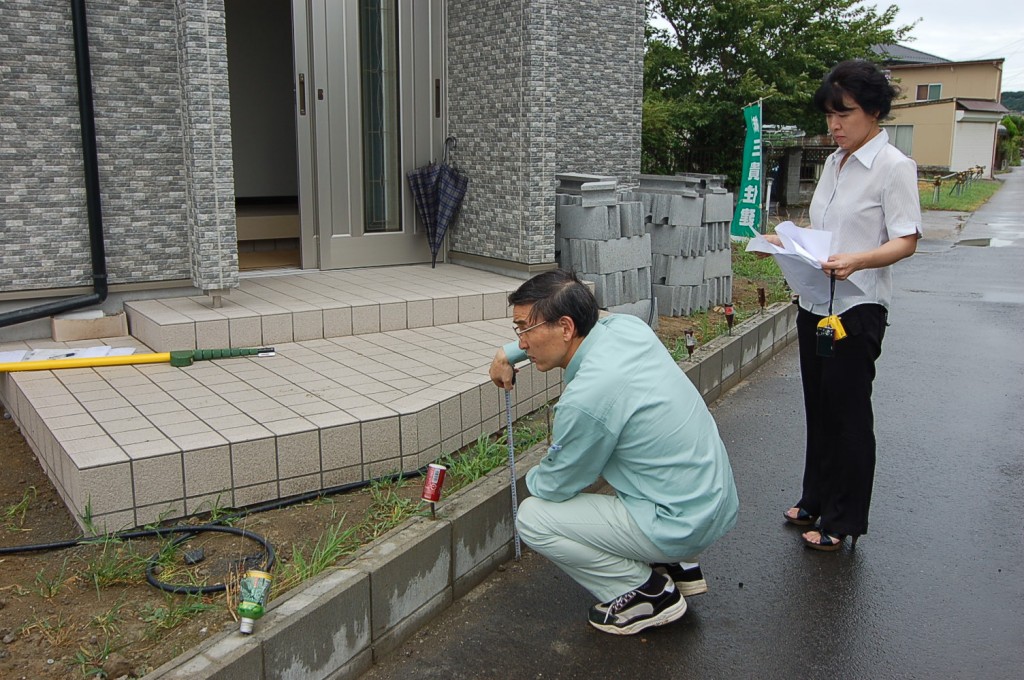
(746, 220)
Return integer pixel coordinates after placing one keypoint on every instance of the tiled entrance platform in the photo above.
(376, 371)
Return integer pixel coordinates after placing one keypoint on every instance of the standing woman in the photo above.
(867, 199)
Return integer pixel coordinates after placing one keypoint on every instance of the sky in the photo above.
(967, 30)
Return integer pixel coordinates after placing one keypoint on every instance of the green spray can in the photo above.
(253, 591)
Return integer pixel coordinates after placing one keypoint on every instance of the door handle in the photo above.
(302, 94)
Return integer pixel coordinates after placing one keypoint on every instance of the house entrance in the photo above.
(263, 132)
(336, 101)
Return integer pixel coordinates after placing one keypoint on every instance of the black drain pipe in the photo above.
(92, 186)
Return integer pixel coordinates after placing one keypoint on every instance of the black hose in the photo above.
(190, 531)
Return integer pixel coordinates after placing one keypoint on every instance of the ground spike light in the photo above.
(177, 358)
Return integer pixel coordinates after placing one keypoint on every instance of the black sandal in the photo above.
(802, 519)
(829, 542)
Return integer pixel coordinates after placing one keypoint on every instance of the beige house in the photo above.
(948, 116)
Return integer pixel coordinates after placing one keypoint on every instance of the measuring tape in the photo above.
(512, 468)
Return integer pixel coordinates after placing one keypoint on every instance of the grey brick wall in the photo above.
(539, 87)
(206, 123)
(600, 88)
(155, 65)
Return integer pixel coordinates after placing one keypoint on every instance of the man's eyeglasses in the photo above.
(520, 332)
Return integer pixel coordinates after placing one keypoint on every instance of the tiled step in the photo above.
(300, 306)
(130, 445)
(377, 370)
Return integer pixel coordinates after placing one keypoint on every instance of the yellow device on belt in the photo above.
(830, 329)
(833, 322)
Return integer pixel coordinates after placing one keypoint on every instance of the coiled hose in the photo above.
(220, 526)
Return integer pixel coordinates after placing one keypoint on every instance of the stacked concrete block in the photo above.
(601, 235)
(688, 219)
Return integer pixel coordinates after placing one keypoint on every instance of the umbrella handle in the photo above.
(450, 144)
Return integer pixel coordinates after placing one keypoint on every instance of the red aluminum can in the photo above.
(432, 482)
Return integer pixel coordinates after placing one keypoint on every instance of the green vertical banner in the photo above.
(746, 220)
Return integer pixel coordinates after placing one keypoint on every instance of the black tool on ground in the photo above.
(194, 556)
(762, 299)
(691, 342)
(729, 316)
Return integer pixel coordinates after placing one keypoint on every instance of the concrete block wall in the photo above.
(602, 237)
(688, 219)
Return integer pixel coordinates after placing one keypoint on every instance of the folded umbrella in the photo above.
(451, 189)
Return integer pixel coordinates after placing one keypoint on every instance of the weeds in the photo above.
(90, 661)
(110, 620)
(469, 466)
(14, 515)
(333, 544)
(118, 563)
(219, 514)
(88, 524)
(387, 509)
(46, 587)
(172, 613)
(679, 351)
(57, 630)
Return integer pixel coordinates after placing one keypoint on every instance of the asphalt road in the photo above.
(934, 590)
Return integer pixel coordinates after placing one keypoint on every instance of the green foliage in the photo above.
(13, 516)
(48, 586)
(118, 563)
(333, 544)
(1013, 101)
(387, 510)
(90, 659)
(706, 59)
(172, 613)
(1010, 147)
(764, 270)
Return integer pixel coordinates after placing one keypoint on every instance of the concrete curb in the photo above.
(340, 622)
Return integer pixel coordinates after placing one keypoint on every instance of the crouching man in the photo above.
(627, 414)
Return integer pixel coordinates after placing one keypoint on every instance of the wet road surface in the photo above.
(934, 590)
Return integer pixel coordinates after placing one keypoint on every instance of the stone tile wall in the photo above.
(159, 72)
(539, 87)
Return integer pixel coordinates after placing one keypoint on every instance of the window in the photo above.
(929, 92)
(379, 60)
(901, 136)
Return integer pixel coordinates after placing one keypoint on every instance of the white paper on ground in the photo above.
(65, 353)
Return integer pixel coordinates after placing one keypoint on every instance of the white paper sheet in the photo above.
(65, 353)
(800, 258)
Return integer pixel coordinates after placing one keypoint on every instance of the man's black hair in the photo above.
(555, 294)
(866, 84)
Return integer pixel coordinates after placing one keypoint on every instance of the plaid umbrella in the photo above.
(423, 185)
(451, 188)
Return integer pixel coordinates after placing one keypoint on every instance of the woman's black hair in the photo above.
(866, 84)
(555, 294)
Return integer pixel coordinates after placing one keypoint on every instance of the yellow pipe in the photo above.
(178, 359)
(85, 362)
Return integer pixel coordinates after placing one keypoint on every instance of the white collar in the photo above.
(867, 153)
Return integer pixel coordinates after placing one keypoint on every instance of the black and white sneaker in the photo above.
(689, 582)
(655, 603)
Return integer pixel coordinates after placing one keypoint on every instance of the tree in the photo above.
(1013, 101)
(706, 59)
(1010, 147)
